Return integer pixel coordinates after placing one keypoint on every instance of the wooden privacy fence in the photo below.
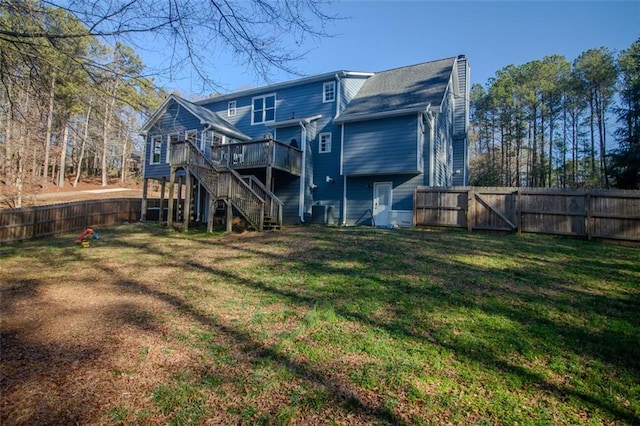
(41, 221)
(612, 214)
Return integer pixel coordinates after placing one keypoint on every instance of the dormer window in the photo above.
(329, 91)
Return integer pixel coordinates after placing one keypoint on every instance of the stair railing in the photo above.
(220, 182)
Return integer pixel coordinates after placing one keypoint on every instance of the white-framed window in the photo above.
(263, 109)
(156, 149)
(231, 109)
(324, 143)
(192, 136)
(173, 137)
(329, 91)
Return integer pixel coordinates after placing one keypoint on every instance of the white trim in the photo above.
(155, 138)
(325, 151)
(342, 149)
(301, 195)
(291, 122)
(264, 109)
(232, 110)
(373, 196)
(338, 96)
(283, 85)
(169, 136)
(383, 114)
(192, 132)
(420, 151)
(325, 85)
(344, 201)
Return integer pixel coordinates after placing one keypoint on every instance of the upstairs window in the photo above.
(231, 109)
(329, 91)
(173, 137)
(263, 109)
(324, 143)
(191, 136)
(156, 149)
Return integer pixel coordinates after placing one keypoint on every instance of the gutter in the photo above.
(383, 114)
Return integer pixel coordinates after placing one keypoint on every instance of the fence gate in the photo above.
(613, 214)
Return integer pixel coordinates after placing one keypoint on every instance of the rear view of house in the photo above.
(343, 147)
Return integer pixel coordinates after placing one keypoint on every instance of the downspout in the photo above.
(338, 95)
(344, 178)
(301, 195)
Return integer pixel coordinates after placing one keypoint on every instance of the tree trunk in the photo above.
(63, 155)
(47, 136)
(82, 147)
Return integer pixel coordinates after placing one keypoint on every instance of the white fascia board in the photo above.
(271, 87)
(161, 110)
(294, 121)
(375, 115)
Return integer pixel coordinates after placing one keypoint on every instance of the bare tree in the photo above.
(257, 33)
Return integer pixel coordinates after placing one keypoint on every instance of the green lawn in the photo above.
(315, 325)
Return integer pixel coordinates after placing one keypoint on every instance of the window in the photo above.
(329, 91)
(324, 143)
(231, 109)
(173, 137)
(156, 149)
(263, 109)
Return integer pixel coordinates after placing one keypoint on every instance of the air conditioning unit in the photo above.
(323, 214)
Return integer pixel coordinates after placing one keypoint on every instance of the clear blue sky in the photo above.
(380, 35)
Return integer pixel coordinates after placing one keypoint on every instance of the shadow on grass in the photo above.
(412, 275)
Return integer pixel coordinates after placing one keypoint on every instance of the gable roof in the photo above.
(401, 90)
(205, 116)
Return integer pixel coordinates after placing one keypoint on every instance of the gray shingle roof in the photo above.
(207, 116)
(407, 88)
(203, 114)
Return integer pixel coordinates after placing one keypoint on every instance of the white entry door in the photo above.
(382, 202)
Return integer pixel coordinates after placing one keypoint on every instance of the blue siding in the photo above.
(291, 102)
(459, 160)
(176, 119)
(360, 195)
(381, 146)
(288, 191)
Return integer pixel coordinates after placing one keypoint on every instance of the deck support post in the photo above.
(163, 184)
(143, 207)
(179, 204)
(211, 211)
(172, 182)
(229, 215)
(186, 212)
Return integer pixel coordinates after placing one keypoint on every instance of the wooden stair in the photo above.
(260, 208)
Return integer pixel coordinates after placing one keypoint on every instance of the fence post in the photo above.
(470, 205)
(587, 206)
(35, 223)
(519, 211)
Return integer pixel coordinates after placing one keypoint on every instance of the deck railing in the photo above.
(220, 182)
(254, 154)
(273, 207)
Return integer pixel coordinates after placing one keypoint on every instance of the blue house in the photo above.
(342, 147)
